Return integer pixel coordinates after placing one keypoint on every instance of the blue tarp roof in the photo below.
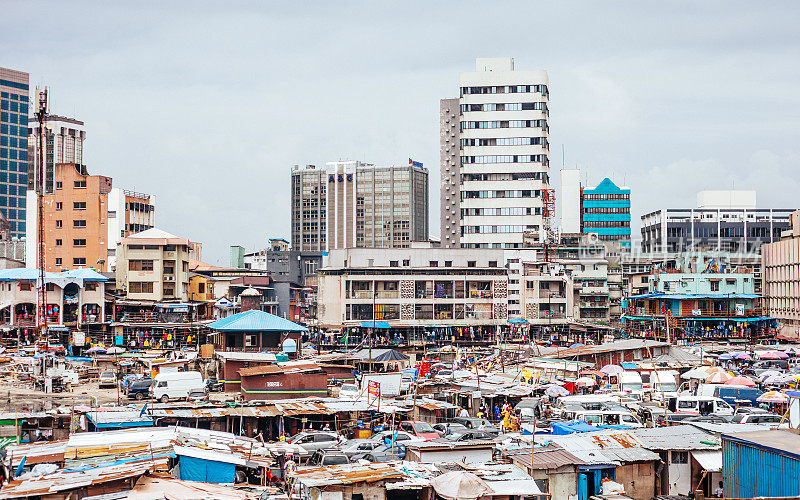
(562, 428)
(518, 321)
(255, 321)
(628, 365)
(375, 324)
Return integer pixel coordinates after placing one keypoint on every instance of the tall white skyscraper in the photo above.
(570, 200)
(504, 155)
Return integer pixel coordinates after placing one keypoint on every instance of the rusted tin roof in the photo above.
(346, 474)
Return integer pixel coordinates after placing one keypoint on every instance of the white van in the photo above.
(630, 381)
(604, 417)
(664, 384)
(176, 385)
(699, 405)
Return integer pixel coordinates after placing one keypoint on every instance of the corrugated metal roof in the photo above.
(255, 321)
(621, 345)
(303, 408)
(675, 437)
(605, 447)
(346, 474)
(774, 440)
(274, 369)
(550, 457)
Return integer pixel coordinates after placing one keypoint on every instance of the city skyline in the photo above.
(200, 117)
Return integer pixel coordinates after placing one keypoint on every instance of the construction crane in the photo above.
(40, 110)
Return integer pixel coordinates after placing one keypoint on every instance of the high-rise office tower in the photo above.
(504, 155)
(13, 147)
(606, 210)
(353, 204)
(64, 144)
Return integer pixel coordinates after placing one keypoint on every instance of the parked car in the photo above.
(139, 388)
(383, 455)
(764, 418)
(420, 429)
(316, 440)
(348, 391)
(214, 385)
(445, 429)
(386, 437)
(107, 379)
(328, 456)
(473, 422)
(471, 436)
(359, 446)
(176, 385)
(197, 396)
(711, 419)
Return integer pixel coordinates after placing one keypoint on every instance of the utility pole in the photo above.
(41, 108)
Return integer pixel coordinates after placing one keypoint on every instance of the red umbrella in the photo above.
(741, 381)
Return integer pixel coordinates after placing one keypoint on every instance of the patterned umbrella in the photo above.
(772, 397)
(746, 381)
(556, 391)
(612, 369)
(718, 378)
(744, 356)
(585, 382)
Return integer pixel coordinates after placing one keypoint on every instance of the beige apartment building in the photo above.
(154, 265)
(548, 294)
(780, 266)
(413, 287)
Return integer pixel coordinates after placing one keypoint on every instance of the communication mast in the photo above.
(548, 216)
(40, 109)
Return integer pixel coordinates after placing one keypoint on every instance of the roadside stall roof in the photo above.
(255, 321)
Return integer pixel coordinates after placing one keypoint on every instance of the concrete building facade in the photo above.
(780, 264)
(154, 265)
(724, 221)
(352, 204)
(14, 99)
(570, 200)
(504, 155)
(413, 287)
(450, 168)
(606, 211)
(63, 142)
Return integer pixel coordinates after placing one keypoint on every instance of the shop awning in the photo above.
(375, 324)
(710, 460)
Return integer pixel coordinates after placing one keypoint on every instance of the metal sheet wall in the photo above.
(750, 472)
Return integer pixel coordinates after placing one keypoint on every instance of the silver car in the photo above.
(312, 441)
(359, 446)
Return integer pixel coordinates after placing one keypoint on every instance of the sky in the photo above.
(207, 105)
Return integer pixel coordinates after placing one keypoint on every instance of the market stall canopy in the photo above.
(375, 324)
(381, 355)
(459, 485)
(255, 321)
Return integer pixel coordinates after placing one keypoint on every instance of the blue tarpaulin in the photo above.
(562, 428)
(628, 365)
(208, 471)
(375, 324)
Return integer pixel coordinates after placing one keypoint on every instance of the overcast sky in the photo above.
(208, 104)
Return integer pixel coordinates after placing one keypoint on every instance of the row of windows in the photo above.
(76, 261)
(14, 142)
(76, 205)
(6, 95)
(504, 124)
(505, 159)
(78, 242)
(496, 229)
(506, 141)
(505, 89)
(515, 176)
(140, 287)
(14, 118)
(17, 107)
(606, 223)
(13, 130)
(14, 166)
(607, 210)
(491, 245)
(511, 106)
(11, 213)
(140, 265)
(14, 188)
(501, 211)
(525, 193)
(606, 196)
(14, 154)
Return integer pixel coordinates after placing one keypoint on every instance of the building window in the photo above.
(25, 286)
(715, 286)
(79, 223)
(141, 286)
(59, 223)
(680, 457)
(59, 205)
(79, 261)
(433, 263)
(58, 261)
(471, 263)
(140, 265)
(90, 286)
(58, 242)
(112, 214)
(79, 184)
(394, 263)
(201, 288)
(79, 205)
(79, 242)
(448, 263)
(406, 262)
(59, 185)
(492, 263)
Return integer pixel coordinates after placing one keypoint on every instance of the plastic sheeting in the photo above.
(209, 471)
